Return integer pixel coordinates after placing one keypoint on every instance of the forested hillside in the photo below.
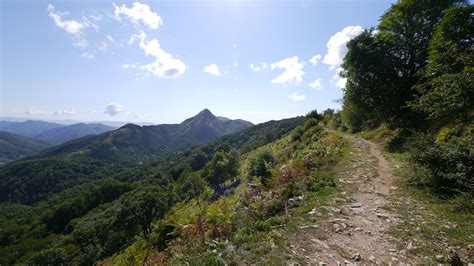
(75, 131)
(13, 147)
(92, 208)
(134, 143)
(388, 179)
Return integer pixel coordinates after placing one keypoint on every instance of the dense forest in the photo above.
(410, 86)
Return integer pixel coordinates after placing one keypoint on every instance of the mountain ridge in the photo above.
(134, 143)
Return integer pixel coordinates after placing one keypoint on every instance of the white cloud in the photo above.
(316, 84)
(337, 80)
(38, 112)
(315, 59)
(296, 97)
(64, 112)
(113, 108)
(134, 37)
(139, 13)
(71, 26)
(34, 111)
(259, 67)
(336, 45)
(87, 55)
(165, 65)
(293, 74)
(212, 69)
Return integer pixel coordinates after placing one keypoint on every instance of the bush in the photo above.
(262, 226)
(317, 181)
(309, 123)
(297, 133)
(448, 166)
(275, 206)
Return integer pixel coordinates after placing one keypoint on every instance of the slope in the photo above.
(29, 128)
(13, 146)
(63, 134)
(135, 143)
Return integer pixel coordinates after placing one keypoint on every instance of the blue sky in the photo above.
(164, 61)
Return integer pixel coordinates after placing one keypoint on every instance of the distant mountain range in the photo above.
(134, 143)
(29, 128)
(63, 134)
(14, 146)
(52, 133)
(20, 139)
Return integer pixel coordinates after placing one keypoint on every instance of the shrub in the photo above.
(309, 123)
(275, 206)
(317, 181)
(448, 166)
(262, 226)
(297, 133)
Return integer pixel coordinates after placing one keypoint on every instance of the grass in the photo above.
(431, 223)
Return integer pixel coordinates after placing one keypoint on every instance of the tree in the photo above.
(143, 206)
(382, 66)
(260, 165)
(198, 160)
(372, 90)
(223, 166)
(447, 88)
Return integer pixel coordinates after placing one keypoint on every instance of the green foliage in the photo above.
(30, 181)
(313, 114)
(52, 256)
(141, 207)
(260, 166)
(189, 186)
(448, 166)
(316, 181)
(223, 166)
(13, 146)
(81, 199)
(447, 89)
(382, 67)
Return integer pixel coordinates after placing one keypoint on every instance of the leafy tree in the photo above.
(260, 166)
(447, 87)
(223, 166)
(372, 90)
(382, 67)
(198, 160)
(190, 185)
(143, 206)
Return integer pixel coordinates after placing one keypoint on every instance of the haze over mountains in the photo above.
(133, 142)
(128, 142)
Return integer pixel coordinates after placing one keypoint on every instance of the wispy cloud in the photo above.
(316, 84)
(73, 27)
(296, 97)
(139, 13)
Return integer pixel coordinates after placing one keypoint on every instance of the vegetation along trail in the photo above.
(358, 230)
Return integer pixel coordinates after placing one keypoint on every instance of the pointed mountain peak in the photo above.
(206, 113)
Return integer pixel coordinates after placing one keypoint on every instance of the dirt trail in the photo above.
(358, 231)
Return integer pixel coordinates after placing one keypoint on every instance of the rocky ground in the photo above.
(359, 226)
